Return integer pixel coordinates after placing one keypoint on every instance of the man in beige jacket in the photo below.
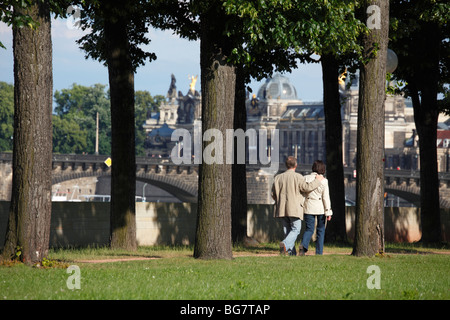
(287, 192)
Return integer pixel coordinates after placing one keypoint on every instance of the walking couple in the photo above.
(300, 198)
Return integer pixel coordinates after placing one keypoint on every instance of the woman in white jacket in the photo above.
(317, 205)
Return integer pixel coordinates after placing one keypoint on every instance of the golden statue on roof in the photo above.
(192, 84)
(341, 78)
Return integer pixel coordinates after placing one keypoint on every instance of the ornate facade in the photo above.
(178, 111)
(301, 125)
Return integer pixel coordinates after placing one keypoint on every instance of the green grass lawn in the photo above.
(406, 272)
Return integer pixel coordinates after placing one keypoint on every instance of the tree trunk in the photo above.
(336, 229)
(426, 119)
(28, 228)
(123, 168)
(369, 223)
(239, 172)
(213, 233)
(424, 79)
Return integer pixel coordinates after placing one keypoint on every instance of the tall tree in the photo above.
(239, 170)
(369, 223)
(420, 33)
(336, 231)
(121, 82)
(118, 29)
(28, 230)
(213, 234)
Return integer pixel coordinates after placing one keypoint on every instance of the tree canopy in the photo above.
(74, 118)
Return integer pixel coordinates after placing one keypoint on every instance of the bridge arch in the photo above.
(408, 192)
(176, 186)
(409, 196)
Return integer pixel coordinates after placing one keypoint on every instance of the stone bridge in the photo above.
(181, 180)
(404, 184)
(178, 180)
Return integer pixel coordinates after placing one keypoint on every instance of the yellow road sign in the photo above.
(108, 162)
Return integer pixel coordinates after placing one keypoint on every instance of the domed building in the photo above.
(273, 97)
(302, 125)
(278, 87)
(159, 140)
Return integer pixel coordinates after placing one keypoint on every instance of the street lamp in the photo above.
(143, 192)
(77, 188)
(391, 61)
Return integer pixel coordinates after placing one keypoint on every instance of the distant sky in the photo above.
(174, 56)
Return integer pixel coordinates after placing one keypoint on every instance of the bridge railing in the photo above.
(349, 172)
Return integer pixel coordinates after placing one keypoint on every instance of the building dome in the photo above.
(164, 131)
(278, 87)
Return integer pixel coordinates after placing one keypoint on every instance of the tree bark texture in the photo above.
(336, 229)
(123, 168)
(369, 223)
(28, 229)
(213, 233)
(239, 171)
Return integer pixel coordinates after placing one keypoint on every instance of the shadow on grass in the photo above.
(160, 251)
(344, 247)
(417, 248)
(98, 252)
